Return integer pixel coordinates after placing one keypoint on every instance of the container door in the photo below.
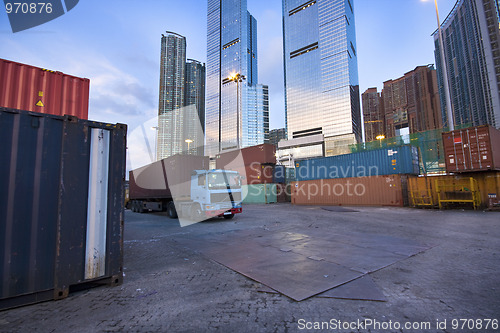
(95, 254)
(457, 160)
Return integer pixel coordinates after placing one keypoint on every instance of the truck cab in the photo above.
(215, 193)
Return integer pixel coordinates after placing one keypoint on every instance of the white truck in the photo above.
(182, 186)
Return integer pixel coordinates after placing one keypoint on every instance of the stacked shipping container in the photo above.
(398, 160)
(362, 191)
(377, 177)
(35, 89)
(255, 163)
(472, 149)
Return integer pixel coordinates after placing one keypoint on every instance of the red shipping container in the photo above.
(30, 88)
(263, 154)
(472, 149)
(155, 180)
(361, 191)
(255, 174)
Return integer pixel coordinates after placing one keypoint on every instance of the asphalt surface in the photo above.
(169, 287)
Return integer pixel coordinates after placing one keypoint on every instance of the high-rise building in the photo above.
(255, 129)
(321, 72)
(276, 135)
(411, 103)
(194, 96)
(237, 111)
(472, 56)
(172, 81)
(181, 109)
(373, 115)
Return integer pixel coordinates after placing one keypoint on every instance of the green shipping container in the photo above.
(259, 194)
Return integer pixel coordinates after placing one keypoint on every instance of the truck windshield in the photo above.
(217, 180)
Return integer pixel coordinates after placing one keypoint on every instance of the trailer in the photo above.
(184, 187)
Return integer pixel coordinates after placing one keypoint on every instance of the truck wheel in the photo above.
(172, 213)
(228, 217)
(196, 213)
(140, 207)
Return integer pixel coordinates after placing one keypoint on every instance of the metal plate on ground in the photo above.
(363, 289)
(288, 260)
(291, 274)
(360, 289)
(339, 209)
(358, 258)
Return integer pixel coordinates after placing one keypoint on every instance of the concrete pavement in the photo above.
(170, 288)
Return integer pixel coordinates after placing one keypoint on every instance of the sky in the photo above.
(116, 44)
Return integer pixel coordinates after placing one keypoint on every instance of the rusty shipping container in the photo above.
(260, 154)
(255, 174)
(154, 181)
(363, 191)
(472, 149)
(61, 205)
(35, 89)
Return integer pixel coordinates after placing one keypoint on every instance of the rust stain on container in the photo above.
(261, 154)
(362, 191)
(30, 88)
(472, 149)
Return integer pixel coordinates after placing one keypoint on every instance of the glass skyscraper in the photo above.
(232, 49)
(472, 54)
(194, 97)
(172, 80)
(321, 72)
(181, 112)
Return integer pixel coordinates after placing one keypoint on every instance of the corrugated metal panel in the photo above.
(259, 193)
(35, 89)
(279, 175)
(283, 192)
(472, 149)
(260, 154)
(153, 181)
(398, 160)
(364, 191)
(44, 202)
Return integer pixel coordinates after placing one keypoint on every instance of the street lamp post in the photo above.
(156, 128)
(188, 141)
(380, 138)
(449, 111)
(238, 78)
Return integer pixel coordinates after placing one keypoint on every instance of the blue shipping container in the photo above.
(380, 162)
(279, 174)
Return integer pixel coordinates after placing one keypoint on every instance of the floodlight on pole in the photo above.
(238, 78)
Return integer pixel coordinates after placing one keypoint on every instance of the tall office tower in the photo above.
(321, 72)
(411, 102)
(276, 135)
(373, 115)
(172, 81)
(194, 97)
(181, 113)
(256, 119)
(237, 110)
(472, 56)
